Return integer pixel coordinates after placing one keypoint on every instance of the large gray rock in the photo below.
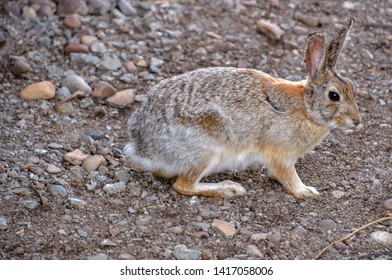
(76, 83)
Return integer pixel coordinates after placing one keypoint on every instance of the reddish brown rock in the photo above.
(76, 48)
(103, 90)
(72, 21)
(130, 66)
(68, 7)
(20, 67)
(270, 30)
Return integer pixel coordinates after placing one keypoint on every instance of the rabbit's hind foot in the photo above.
(304, 191)
(224, 189)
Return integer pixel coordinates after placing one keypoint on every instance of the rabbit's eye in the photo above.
(334, 96)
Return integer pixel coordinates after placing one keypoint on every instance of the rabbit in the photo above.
(224, 118)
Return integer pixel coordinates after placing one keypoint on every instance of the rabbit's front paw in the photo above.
(305, 191)
(229, 189)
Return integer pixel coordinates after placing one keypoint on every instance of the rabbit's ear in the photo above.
(315, 55)
(336, 44)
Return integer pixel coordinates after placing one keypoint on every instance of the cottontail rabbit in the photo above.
(214, 119)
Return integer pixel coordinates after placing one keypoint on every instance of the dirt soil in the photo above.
(64, 212)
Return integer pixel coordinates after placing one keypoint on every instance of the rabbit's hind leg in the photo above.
(191, 186)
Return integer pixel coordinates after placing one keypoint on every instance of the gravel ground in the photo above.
(64, 190)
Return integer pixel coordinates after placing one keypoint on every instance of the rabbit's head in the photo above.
(329, 97)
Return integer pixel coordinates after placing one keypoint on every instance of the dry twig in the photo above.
(389, 217)
(44, 200)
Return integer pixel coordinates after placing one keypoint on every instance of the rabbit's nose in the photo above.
(358, 120)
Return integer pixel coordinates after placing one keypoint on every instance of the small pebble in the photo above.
(63, 93)
(76, 83)
(148, 76)
(126, 256)
(3, 223)
(253, 251)
(298, 232)
(91, 186)
(30, 203)
(340, 246)
(62, 232)
(103, 90)
(129, 66)
(95, 134)
(93, 162)
(327, 224)
(224, 228)
(108, 242)
(54, 145)
(53, 169)
(100, 256)
(68, 7)
(182, 253)
(337, 194)
(65, 108)
(57, 191)
(144, 220)
(140, 98)
(86, 102)
(387, 203)
(300, 30)
(141, 63)
(259, 236)
(114, 231)
(76, 48)
(274, 237)
(207, 213)
(308, 20)
(99, 7)
(20, 67)
(72, 21)
(222, 255)
(123, 97)
(75, 157)
(200, 52)
(382, 237)
(206, 254)
(37, 91)
(88, 40)
(77, 202)
(123, 176)
(29, 14)
(110, 61)
(176, 230)
(114, 188)
(82, 232)
(126, 8)
(98, 47)
(269, 29)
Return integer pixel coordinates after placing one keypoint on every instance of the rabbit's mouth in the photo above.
(351, 128)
